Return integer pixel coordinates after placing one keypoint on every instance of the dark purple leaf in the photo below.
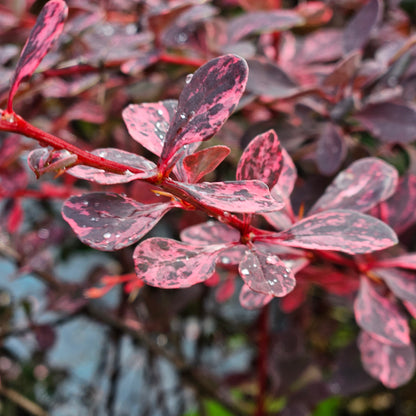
(390, 122)
(45, 160)
(399, 210)
(340, 230)
(176, 33)
(269, 80)
(392, 365)
(266, 273)
(207, 100)
(331, 149)
(380, 315)
(359, 28)
(211, 232)
(47, 29)
(261, 22)
(198, 164)
(363, 185)
(170, 264)
(400, 282)
(239, 196)
(262, 159)
(107, 221)
(343, 71)
(107, 178)
(253, 300)
(148, 123)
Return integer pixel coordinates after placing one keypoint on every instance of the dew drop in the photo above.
(225, 260)
(94, 219)
(271, 260)
(117, 235)
(285, 275)
(107, 235)
(160, 112)
(245, 272)
(188, 78)
(183, 116)
(181, 37)
(85, 203)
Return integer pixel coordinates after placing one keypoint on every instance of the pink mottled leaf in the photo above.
(266, 273)
(239, 196)
(363, 185)
(262, 22)
(402, 283)
(359, 28)
(148, 123)
(107, 178)
(340, 230)
(47, 29)
(107, 221)
(253, 300)
(45, 160)
(270, 80)
(399, 210)
(331, 149)
(288, 175)
(171, 264)
(262, 159)
(392, 365)
(211, 232)
(390, 122)
(323, 45)
(282, 219)
(405, 261)
(206, 102)
(198, 164)
(380, 315)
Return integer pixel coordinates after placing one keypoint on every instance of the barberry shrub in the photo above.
(345, 241)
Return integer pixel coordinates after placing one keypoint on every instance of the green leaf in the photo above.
(328, 407)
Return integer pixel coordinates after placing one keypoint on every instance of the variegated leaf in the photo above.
(206, 102)
(240, 196)
(339, 230)
(116, 155)
(211, 232)
(392, 365)
(402, 283)
(47, 29)
(169, 264)
(380, 315)
(363, 185)
(262, 159)
(266, 273)
(148, 123)
(253, 300)
(108, 221)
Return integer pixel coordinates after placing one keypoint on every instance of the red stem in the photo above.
(14, 123)
(262, 360)
(181, 60)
